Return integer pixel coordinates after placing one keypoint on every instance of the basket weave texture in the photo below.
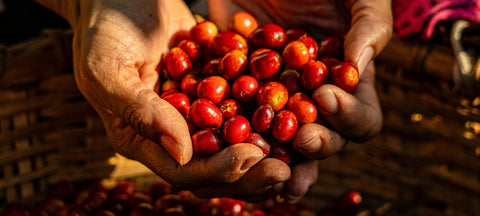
(47, 129)
(424, 162)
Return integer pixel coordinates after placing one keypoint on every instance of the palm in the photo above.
(124, 41)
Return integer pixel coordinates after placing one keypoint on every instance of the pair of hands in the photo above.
(118, 44)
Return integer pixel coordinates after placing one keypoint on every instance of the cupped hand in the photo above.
(117, 46)
(366, 26)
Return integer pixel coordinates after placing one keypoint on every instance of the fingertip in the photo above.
(178, 151)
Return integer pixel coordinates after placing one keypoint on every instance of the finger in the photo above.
(226, 166)
(316, 141)
(304, 175)
(255, 186)
(356, 116)
(371, 29)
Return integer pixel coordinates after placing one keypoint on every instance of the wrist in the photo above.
(69, 9)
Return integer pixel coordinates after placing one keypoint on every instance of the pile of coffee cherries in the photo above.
(124, 198)
(251, 83)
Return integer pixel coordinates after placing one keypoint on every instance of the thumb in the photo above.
(131, 100)
(371, 29)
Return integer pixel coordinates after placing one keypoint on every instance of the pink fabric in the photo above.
(419, 17)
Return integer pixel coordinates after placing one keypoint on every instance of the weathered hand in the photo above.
(117, 46)
(366, 26)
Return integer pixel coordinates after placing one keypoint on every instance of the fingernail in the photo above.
(173, 147)
(364, 59)
(249, 163)
(273, 181)
(327, 102)
(290, 198)
(311, 145)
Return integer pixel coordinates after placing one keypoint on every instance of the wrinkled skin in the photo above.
(366, 26)
(117, 46)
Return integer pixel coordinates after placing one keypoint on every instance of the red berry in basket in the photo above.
(273, 93)
(348, 203)
(160, 189)
(242, 23)
(232, 207)
(168, 201)
(280, 151)
(331, 46)
(180, 101)
(291, 79)
(311, 44)
(262, 118)
(284, 125)
(189, 84)
(245, 88)
(204, 113)
(313, 74)
(260, 141)
(303, 107)
(236, 129)
(268, 35)
(214, 88)
(233, 64)
(227, 41)
(174, 212)
(211, 68)
(295, 33)
(192, 49)
(207, 141)
(264, 63)
(295, 55)
(177, 63)
(230, 107)
(142, 209)
(345, 75)
(123, 188)
(203, 33)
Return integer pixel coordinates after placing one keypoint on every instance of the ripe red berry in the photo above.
(262, 118)
(204, 113)
(233, 64)
(236, 129)
(345, 75)
(273, 93)
(313, 74)
(245, 88)
(264, 63)
(242, 23)
(214, 88)
(295, 54)
(180, 101)
(177, 63)
(268, 35)
(207, 141)
(203, 33)
(303, 107)
(284, 125)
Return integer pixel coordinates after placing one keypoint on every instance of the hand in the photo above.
(117, 46)
(366, 26)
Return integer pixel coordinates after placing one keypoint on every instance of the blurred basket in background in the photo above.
(425, 161)
(48, 132)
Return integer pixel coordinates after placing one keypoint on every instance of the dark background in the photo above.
(24, 19)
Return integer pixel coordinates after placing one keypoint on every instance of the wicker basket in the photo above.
(425, 161)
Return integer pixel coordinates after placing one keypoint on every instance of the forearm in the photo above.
(68, 9)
